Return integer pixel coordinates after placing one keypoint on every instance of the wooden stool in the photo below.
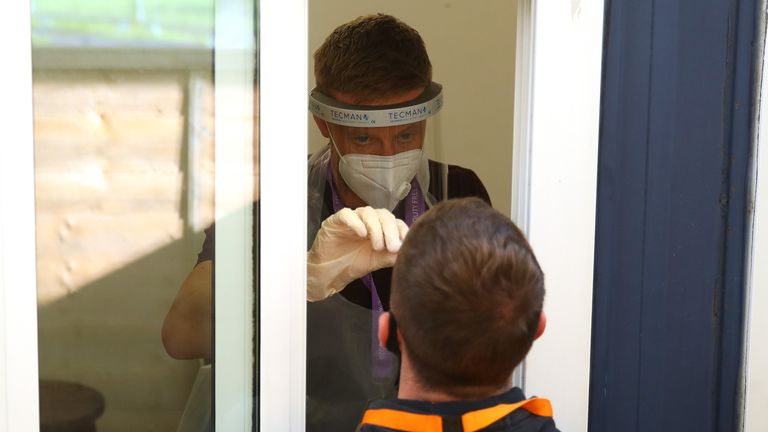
(69, 407)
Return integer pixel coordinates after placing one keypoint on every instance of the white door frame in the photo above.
(558, 191)
(18, 280)
(756, 275)
(555, 155)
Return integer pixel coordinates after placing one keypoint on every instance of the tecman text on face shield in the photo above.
(406, 114)
(347, 116)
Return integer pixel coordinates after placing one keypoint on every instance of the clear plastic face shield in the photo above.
(380, 148)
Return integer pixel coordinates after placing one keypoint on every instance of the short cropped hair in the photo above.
(467, 294)
(371, 57)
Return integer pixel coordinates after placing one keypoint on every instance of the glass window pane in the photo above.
(126, 122)
(159, 23)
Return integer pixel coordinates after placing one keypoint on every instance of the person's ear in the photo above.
(542, 325)
(383, 329)
(389, 334)
(322, 125)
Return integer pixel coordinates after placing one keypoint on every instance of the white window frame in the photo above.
(234, 74)
(554, 35)
(18, 285)
(283, 167)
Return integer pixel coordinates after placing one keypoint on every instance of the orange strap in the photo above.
(476, 420)
(471, 421)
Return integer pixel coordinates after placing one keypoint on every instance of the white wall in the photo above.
(472, 49)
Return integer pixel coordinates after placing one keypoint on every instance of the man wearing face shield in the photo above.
(374, 163)
(373, 102)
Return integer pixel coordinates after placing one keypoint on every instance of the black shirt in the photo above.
(519, 420)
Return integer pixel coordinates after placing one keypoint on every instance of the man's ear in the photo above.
(383, 329)
(322, 125)
(542, 325)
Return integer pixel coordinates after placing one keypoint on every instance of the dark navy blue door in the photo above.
(672, 184)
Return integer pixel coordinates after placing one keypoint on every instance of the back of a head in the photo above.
(467, 294)
(372, 57)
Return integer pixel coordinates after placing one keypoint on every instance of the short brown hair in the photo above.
(371, 57)
(467, 293)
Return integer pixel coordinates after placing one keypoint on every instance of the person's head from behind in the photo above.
(467, 296)
(372, 61)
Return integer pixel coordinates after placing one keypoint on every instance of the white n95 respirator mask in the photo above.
(380, 181)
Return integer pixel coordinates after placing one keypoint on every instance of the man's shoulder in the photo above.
(451, 167)
(520, 420)
(455, 172)
(462, 182)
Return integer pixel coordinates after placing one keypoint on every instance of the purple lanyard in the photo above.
(381, 362)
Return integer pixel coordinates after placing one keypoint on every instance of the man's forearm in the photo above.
(187, 327)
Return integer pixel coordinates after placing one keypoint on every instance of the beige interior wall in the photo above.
(114, 234)
(472, 48)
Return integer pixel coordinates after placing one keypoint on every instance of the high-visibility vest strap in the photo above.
(471, 421)
(476, 420)
(402, 420)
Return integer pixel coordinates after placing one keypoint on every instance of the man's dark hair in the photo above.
(371, 57)
(467, 293)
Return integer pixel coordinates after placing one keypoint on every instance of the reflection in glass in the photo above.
(124, 160)
(159, 23)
